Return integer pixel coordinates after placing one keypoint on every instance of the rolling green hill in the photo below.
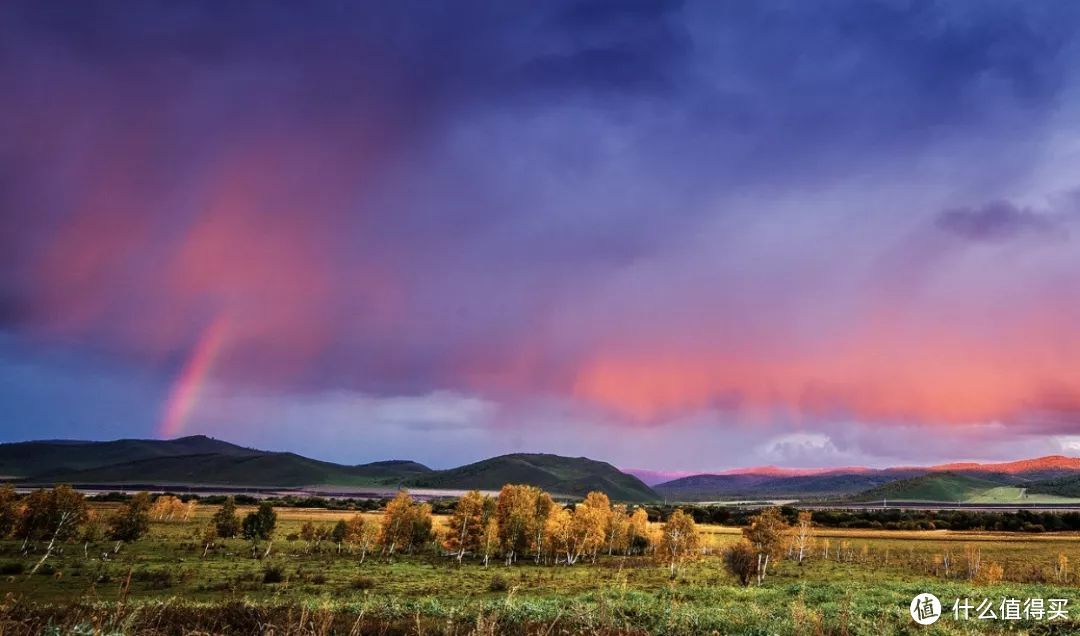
(750, 486)
(554, 473)
(1068, 486)
(949, 487)
(263, 469)
(25, 459)
(201, 460)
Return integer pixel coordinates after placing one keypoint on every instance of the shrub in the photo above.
(155, 579)
(741, 560)
(363, 583)
(273, 574)
(498, 584)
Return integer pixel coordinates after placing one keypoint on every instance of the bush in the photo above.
(741, 560)
(498, 584)
(363, 583)
(46, 569)
(155, 579)
(12, 568)
(273, 574)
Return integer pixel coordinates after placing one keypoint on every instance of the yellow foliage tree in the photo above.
(465, 532)
(766, 534)
(679, 541)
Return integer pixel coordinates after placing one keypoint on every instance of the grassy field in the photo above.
(864, 587)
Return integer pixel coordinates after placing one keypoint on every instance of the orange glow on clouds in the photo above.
(933, 379)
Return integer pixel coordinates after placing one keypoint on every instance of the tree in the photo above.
(361, 533)
(544, 505)
(9, 510)
(406, 525)
(591, 518)
(466, 525)
(132, 520)
(490, 542)
(56, 514)
(558, 535)
(338, 533)
(766, 534)
(92, 532)
(618, 531)
(225, 520)
(167, 508)
(679, 540)
(802, 536)
(516, 513)
(638, 531)
(740, 560)
(260, 524)
(208, 536)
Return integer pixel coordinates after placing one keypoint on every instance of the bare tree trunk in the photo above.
(52, 542)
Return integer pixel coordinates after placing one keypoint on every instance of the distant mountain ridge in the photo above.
(779, 483)
(200, 460)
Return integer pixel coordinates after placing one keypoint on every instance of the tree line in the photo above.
(889, 519)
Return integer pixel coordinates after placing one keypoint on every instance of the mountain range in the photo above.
(203, 461)
(1041, 475)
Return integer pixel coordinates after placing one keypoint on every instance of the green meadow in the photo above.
(850, 582)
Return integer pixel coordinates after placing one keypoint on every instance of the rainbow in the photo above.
(185, 390)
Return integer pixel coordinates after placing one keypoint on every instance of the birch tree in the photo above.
(679, 541)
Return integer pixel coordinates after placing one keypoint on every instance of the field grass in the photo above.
(864, 587)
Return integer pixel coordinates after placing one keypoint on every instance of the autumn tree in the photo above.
(766, 534)
(226, 521)
(489, 543)
(591, 518)
(516, 513)
(55, 514)
(167, 508)
(91, 532)
(9, 510)
(465, 530)
(802, 535)
(544, 505)
(638, 531)
(618, 530)
(741, 561)
(361, 533)
(558, 535)
(679, 541)
(207, 536)
(132, 520)
(406, 525)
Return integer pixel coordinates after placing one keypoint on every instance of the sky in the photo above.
(677, 236)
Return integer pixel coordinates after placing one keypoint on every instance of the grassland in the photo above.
(162, 585)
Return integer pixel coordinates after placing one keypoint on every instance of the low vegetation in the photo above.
(519, 562)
